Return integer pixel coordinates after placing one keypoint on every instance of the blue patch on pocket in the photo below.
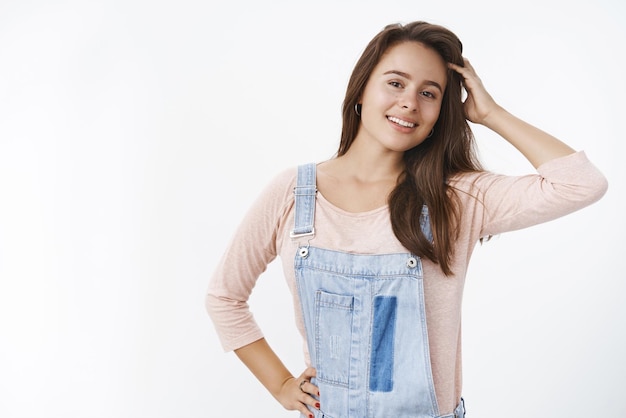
(383, 332)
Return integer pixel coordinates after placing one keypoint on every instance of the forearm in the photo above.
(536, 145)
(265, 365)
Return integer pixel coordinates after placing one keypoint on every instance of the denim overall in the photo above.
(365, 324)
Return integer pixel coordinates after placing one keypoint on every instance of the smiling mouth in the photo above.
(401, 122)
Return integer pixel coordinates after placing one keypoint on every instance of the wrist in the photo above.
(281, 384)
(495, 118)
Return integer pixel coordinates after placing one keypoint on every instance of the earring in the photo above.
(432, 131)
(357, 109)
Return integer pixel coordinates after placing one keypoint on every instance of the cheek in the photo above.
(432, 113)
(381, 98)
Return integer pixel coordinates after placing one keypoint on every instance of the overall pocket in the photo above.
(333, 335)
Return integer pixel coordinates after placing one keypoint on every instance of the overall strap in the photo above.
(425, 223)
(304, 192)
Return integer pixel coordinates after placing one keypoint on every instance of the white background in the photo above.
(134, 134)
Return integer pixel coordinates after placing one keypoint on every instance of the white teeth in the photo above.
(401, 122)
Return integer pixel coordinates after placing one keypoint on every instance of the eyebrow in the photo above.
(408, 76)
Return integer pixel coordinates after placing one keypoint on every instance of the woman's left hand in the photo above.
(479, 104)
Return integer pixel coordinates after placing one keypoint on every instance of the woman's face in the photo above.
(402, 98)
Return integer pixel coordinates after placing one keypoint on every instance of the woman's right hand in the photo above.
(297, 392)
(291, 392)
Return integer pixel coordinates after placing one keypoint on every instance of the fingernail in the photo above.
(317, 405)
(318, 393)
(310, 415)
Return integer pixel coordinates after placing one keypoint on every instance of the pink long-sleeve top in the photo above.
(491, 204)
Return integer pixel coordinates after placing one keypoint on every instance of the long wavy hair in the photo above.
(428, 166)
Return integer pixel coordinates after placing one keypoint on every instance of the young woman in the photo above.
(376, 241)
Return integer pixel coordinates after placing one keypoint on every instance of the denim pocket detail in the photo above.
(333, 335)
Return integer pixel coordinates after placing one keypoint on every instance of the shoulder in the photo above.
(280, 186)
(473, 187)
(272, 203)
(285, 177)
(470, 183)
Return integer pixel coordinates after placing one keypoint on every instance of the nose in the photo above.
(408, 101)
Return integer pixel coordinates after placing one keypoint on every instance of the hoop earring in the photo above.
(432, 131)
(357, 109)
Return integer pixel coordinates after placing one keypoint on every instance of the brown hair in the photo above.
(428, 166)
